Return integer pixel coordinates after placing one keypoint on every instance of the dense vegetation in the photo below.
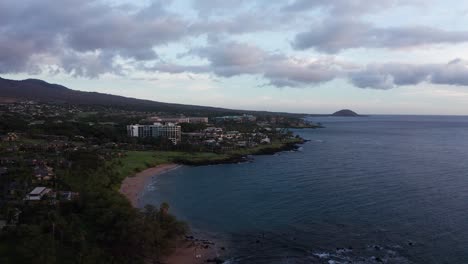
(99, 227)
(89, 153)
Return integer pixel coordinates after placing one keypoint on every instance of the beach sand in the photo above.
(192, 252)
(132, 187)
(189, 251)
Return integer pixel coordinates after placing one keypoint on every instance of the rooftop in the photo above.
(37, 190)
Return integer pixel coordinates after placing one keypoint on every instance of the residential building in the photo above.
(179, 120)
(237, 118)
(10, 137)
(37, 194)
(213, 130)
(196, 120)
(43, 172)
(170, 131)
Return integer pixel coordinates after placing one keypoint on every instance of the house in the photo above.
(213, 130)
(232, 134)
(210, 142)
(37, 194)
(10, 137)
(236, 118)
(242, 144)
(43, 173)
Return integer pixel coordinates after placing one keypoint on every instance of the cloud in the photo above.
(388, 76)
(210, 7)
(63, 27)
(95, 37)
(230, 59)
(71, 28)
(228, 7)
(347, 7)
(241, 23)
(335, 35)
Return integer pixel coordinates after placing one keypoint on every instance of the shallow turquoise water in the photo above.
(390, 189)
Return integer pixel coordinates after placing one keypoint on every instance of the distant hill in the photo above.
(41, 91)
(345, 112)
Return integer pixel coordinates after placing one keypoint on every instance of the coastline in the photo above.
(245, 155)
(189, 250)
(133, 186)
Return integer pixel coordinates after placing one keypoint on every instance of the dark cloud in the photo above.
(65, 32)
(335, 35)
(68, 30)
(91, 38)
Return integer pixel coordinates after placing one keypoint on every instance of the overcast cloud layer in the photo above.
(223, 38)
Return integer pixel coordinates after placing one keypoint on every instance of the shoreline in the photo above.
(191, 250)
(245, 157)
(188, 250)
(133, 186)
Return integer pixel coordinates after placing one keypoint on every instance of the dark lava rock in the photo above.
(345, 112)
(215, 260)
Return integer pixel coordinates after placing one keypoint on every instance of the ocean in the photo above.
(377, 189)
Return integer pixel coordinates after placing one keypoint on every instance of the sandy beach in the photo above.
(193, 252)
(188, 251)
(133, 186)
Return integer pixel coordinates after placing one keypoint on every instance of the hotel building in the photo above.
(179, 120)
(170, 131)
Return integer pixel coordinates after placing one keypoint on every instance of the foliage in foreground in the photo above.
(100, 227)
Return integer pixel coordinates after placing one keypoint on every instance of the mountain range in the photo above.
(42, 91)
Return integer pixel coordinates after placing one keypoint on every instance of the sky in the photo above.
(304, 56)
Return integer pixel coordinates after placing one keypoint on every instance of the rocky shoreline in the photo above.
(232, 159)
(192, 250)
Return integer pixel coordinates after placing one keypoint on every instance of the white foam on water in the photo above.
(322, 255)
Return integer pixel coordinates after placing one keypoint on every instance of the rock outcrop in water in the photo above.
(345, 112)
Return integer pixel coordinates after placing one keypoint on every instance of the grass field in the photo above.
(136, 161)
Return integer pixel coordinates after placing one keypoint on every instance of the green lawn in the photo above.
(136, 161)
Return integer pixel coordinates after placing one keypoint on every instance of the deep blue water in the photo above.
(363, 190)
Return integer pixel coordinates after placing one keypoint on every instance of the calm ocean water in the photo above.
(379, 189)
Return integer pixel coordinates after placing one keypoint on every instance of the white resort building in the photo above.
(179, 120)
(170, 131)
